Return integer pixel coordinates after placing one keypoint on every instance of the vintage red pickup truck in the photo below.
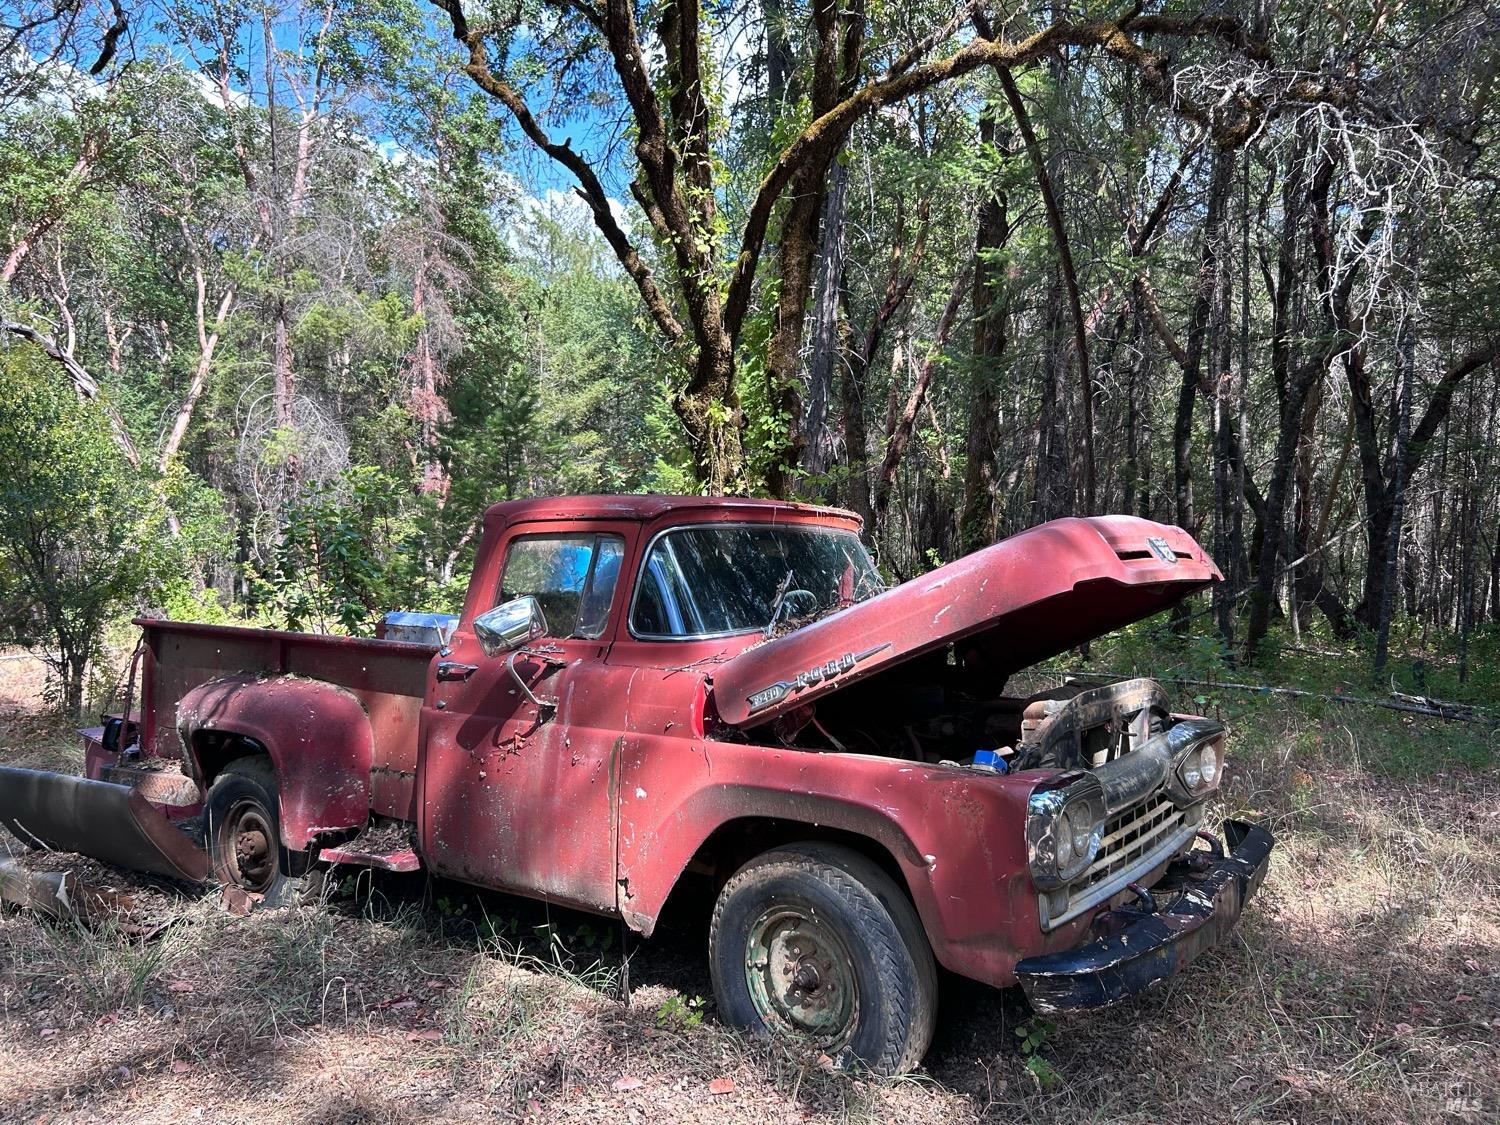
(641, 690)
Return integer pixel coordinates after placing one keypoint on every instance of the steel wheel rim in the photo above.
(801, 977)
(247, 843)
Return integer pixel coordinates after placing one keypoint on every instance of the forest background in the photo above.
(289, 292)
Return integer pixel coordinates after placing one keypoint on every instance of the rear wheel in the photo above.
(816, 941)
(243, 828)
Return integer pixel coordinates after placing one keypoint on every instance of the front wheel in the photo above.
(243, 828)
(816, 941)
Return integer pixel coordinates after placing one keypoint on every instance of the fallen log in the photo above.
(1407, 704)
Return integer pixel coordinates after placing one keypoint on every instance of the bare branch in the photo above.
(590, 189)
(1442, 401)
(111, 38)
(84, 383)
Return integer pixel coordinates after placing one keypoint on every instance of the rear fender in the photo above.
(317, 735)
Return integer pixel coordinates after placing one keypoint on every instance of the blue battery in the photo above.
(990, 760)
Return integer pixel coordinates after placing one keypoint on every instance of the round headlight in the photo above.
(1082, 836)
(1062, 837)
(1208, 765)
(1062, 831)
(1191, 772)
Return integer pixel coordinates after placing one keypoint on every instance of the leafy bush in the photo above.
(349, 552)
(85, 536)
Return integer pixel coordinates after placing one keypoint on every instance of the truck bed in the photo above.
(388, 677)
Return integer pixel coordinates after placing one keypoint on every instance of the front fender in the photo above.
(318, 736)
(652, 861)
(957, 836)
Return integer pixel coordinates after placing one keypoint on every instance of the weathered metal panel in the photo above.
(520, 797)
(957, 835)
(388, 678)
(317, 735)
(95, 818)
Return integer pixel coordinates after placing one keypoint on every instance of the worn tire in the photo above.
(242, 829)
(844, 914)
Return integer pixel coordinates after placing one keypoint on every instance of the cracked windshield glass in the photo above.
(708, 581)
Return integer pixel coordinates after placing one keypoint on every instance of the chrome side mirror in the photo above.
(510, 625)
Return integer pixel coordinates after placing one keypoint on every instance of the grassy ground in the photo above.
(1364, 984)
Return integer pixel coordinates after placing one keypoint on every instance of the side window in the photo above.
(573, 577)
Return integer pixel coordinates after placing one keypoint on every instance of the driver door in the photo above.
(516, 793)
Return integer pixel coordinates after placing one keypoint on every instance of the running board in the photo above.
(375, 847)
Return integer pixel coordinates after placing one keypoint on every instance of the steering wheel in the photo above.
(788, 609)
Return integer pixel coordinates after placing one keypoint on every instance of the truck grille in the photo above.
(1135, 840)
(1129, 835)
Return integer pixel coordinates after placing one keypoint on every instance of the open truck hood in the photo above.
(1008, 606)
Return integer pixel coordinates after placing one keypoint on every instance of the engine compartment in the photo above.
(935, 710)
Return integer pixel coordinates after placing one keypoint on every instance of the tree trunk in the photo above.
(1204, 301)
(834, 73)
(1051, 495)
(779, 59)
(208, 342)
(709, 408)
(905, 423)
(1049, 180)
(902, 275)
(977, 523)
(1192, 356)
(817, 437)
(852, 387)
(427, 403)
(72, 666)
(1293, 386)
(1221, 383)
(1406, 362)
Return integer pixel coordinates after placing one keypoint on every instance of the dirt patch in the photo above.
(23, 680)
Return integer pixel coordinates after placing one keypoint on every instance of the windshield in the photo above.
(713, 580)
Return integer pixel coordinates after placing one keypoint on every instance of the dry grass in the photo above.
(1364, 986)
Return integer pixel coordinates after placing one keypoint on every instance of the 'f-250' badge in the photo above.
(778, 691)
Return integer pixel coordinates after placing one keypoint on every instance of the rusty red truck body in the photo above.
(640, 689)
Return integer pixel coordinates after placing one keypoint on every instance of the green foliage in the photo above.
(1329, 724)
(765, 425)
(1153, 644)
(344, 557)
(679, 1013)
(83, 536)
(426, 316)
(1031, 1037)
(205, 536)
